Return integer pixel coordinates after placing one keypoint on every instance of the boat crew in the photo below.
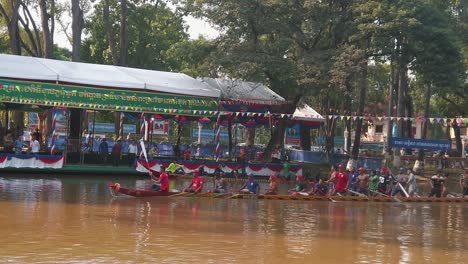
(412, 184)
(332, 178)
(353, 175)
(374, 181)
(301, 186)
(161, 184)
(273, 187)
(362, 182)
(320, 189)
(342, 180)
(445, 190)
(437, 182)
(400, 183)
(251, 186)
(464, 183)
(385, 180)
(196, 185)
(219, 183)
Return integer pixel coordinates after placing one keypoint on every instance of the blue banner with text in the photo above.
(413, 143)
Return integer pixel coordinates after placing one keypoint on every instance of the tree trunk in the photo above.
(18, 120)
(419, 164)
(47, 34)
(305, 137)
(179, 135)
(250, 137)
(110, 36)
(77, 28)
(357, 135)
(276, 140)
(123, 34)
(13, 28)
(458, 141)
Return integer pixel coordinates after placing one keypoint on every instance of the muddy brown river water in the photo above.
(72, 219)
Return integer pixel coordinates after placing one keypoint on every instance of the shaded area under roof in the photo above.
(38, 69)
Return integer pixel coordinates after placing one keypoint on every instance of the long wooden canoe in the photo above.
(115, 188)
(136, 192)
(347, 198)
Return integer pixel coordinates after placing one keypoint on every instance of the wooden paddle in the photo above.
(357, 193)
(180, 194)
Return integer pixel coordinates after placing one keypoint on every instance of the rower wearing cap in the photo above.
(301, 186)
(251, 186)
(273, 187)
(197, 184)
(362, 181)
(384, 185)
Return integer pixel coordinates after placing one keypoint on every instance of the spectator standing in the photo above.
(18, 147)
(35, 146)
(132, 152)
(104, 150)
(116, 153)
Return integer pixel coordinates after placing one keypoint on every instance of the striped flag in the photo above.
(142, 126)
(52, 140)
(218, 137)
(122, 115)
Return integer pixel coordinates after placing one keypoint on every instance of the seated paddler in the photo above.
(219, 184)
(160, 184)
(251, 186)
(196, 185)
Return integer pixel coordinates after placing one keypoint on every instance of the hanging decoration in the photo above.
(439, 120)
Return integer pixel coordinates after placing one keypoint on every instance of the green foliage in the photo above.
(191, 57)
(151, 31)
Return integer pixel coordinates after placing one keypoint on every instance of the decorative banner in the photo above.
(441, 120)
(99, 98)
(30, 161)
(257, 169)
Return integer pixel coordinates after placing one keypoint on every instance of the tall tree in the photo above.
(77, 29)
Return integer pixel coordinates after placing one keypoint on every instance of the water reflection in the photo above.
(74, 220)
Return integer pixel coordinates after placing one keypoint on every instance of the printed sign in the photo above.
(161, 127)
(293, 135)
(110, 128)
(209, 134)
(397, 142)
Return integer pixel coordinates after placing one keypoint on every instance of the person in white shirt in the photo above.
(35, 146)
(132, 152)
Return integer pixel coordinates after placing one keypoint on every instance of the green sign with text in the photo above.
(33, 93)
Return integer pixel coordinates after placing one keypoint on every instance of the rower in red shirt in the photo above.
(342, 179)
(197, 184)
(161, 184)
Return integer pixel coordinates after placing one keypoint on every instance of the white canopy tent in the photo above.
(307, 113)
(38, 69)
